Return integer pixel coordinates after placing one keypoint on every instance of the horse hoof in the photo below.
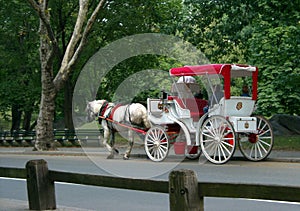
(111, 156)
(116, 151)
(125, 157)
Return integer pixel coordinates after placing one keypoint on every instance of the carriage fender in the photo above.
(184, 128)
(200, 123)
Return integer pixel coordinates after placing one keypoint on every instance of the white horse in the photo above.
(134, 113)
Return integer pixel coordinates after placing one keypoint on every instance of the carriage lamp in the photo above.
(164, 95)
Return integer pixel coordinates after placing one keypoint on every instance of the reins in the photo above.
(124, 125)
(109, 117)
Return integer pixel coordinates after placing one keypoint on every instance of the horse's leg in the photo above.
(112, 142)
(107, 133)
(130, 145)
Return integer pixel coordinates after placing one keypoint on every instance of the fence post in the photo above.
(40, 189)
(183, 191)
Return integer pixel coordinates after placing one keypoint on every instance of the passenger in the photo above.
(198, 95)
(183, 87)
(186, 79)
(245, 91)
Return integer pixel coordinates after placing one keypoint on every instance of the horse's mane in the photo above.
(96, 105)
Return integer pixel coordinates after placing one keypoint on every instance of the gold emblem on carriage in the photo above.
(246, 125)
(160, 106)
(239, 106)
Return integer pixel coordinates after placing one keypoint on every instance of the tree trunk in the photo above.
(68, 98)
(44, 128)
(16, 117)
(27, 119)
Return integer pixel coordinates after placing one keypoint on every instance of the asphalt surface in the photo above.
(138, 151)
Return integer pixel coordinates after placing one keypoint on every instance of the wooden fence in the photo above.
(185, 192)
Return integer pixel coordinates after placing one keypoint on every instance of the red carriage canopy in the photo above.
(228, 71)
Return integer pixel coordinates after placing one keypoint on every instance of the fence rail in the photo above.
(111, 182)
(185, 192)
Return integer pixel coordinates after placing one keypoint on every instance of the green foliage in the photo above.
(19, 75)
(275, 49)
(262, 33)
(218, 28)
(125, 18)
(141, 77)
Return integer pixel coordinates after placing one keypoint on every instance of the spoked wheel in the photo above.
(156, 143)
(217, 139)
(257, 146)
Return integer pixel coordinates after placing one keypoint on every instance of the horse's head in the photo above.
(92, 109)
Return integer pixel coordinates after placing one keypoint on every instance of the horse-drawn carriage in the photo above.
(213, 126)
(182, 118)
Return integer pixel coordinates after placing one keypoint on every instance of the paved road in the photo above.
(72, 197)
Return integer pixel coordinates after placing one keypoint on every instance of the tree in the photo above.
(19, 63)
(220, 29)
(125, 18)
(263, 33)
(117, 19)
(49, 48)
(275, 47)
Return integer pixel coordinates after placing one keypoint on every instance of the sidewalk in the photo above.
(137, 151)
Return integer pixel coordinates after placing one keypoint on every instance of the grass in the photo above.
(90, 125)
(291, 143)
(119, 139)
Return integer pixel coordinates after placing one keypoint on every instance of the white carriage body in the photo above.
(170, 114)
(238, 111)
(155, 114)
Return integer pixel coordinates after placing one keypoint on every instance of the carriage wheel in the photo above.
(156, 143)
(217, 139)
(257, 146)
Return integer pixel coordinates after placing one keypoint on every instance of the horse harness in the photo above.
(102, 111)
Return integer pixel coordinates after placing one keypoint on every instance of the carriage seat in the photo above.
(194, 105)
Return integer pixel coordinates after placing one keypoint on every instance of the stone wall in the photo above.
(285, 125)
